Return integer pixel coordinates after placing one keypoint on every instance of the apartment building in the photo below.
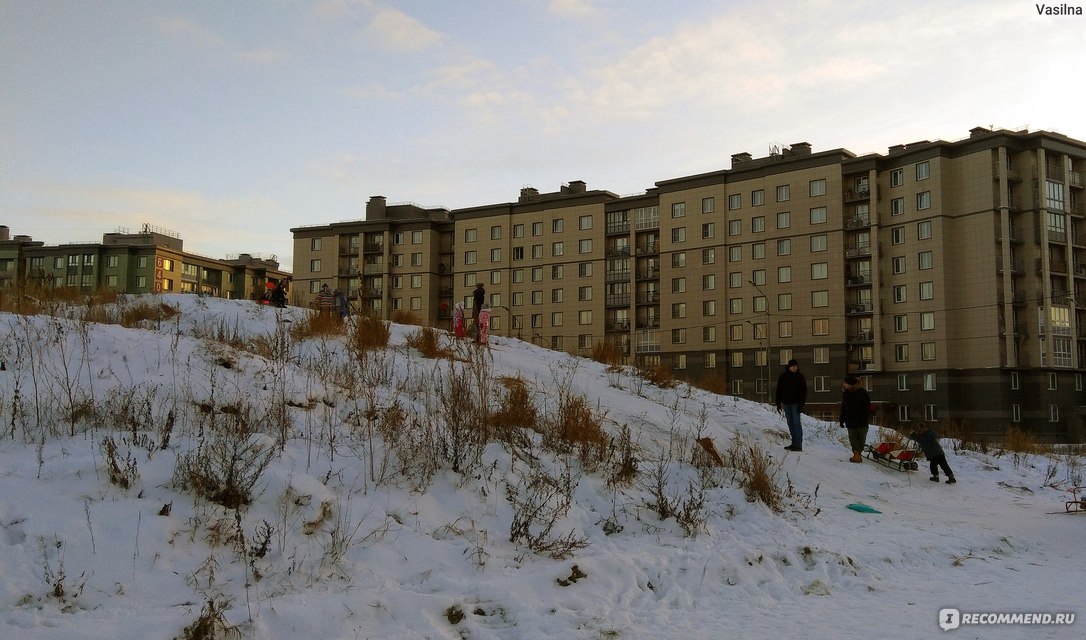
(152, 260)
(951, 276)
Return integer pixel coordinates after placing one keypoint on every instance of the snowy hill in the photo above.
(375, 500)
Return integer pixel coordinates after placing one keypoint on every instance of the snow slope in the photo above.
(351, 557)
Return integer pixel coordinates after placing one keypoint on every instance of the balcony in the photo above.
(858, 222)
(651, 249)
(617, 276)
(618, 227)
(648, 274)
(859, 280)
(1006, 169)
(859, 251)
(617, 300)
(618, 252)
(373, 247)
(854, 309)
(861, 337)
(1074, 178)
(648, 297)
(857, 195)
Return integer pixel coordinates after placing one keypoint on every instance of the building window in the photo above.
(679, 362)
(708, 308)
(784, 330)
(897, 235)
(822, 383)
(708, 334)
(818, 243)
(678, 310)
(1014, 380)
(784, 274)
(470, 257)
(584, 294)
(518, 231)
(820, 299)
(537, 228)
(737, 360)
(897, 177)
(556, 296)
(735, 305)
(818, 215)
(537, 296)
(710, 360)
(758, 277)
(929, 382)
(902, 382)
(903, 413)
(416, 237)
(818, 187)
(927, 321)
(584, 246)
(707, 230)
(678, 259)
(1016, 413)
(901, 323)
(784, 301)
(678, 209)
(923, 200)
(897, 265)
(678, 285)
(584, 317)
(820, 326)
(930, 413)
(784, 247)
(927, 290)
(470, 235)
(416, 259)
(925, 260)
(784, 220)
(315, 244)
(735, 227)
(927, 350)
(897, 206)
(783, 193)
(901, 353)
(820, 270)
(416, 282)
(708, 282)
(923, 171)
(899, 293)
(757, 251)
(1053, 413)
(558, 225)
(820, 355)
(735, 253)
(757, 197)
(1054, 195)
(678, 235)
(1051, 381)
(558, 248)
(708, 256)
(708, 205)
(735, 201)
(584, 223)
(556, 319)
(584, 270)
(315, 266)
(518, 253)
(735, 332)
(757, 224)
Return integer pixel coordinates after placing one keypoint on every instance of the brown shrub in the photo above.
(661, 375)
(516, 410)
(427, 342)
(369, 333)
(606, 353)
(315, 323)
(401, 316)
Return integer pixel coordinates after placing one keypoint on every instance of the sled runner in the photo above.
(893, 456)
(1077, 503)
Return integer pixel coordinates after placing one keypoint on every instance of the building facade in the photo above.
(951, 276)
(150, 261)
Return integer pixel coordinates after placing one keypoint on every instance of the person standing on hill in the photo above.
(855, 414)
(477, 300)
(324, 301)
(791, 396)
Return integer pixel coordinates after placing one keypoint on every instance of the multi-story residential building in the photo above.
(150, 261)
(951, 276)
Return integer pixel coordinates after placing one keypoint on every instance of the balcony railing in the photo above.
(858, 222)
(856, 195)
(858, 251)
(617, 276)
(648, 297)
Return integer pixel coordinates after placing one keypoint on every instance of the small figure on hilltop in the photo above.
(458, 320)
(791, 396)
(324, 300)
(855, 414)
(341, 304)
(482, 332)
(477, 300)
(279, 294)
(928, 440)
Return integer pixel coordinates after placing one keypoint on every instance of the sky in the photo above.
(362, 545)
(230, 123)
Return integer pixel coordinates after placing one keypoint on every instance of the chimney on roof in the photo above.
(978, 131)
(4, 232)
(577, 186)
(528, 193)
(801, 148)
(375, 208)
(740, 158)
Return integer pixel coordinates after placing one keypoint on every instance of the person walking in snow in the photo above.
(341, 304)
(855, 414)
(928, 440)
(791, 396)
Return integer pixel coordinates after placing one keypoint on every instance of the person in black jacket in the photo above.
(855, 414)
(928, 440)
(478, 297)
(791, 396)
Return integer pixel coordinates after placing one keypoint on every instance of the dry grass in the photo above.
(606, 353)
(427, 342)
(407, 317)
(315, 323)
(516, 410)
(369, 333)
(894, 437)
(1018, 441)
(711, 383)
(758, 471)
(661, 376)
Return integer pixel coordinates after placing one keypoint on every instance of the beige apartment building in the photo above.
(951, 276)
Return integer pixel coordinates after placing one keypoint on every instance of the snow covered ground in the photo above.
(348, 556)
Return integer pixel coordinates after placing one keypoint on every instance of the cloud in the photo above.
(191, 33)
(393, 30)
(573, 8)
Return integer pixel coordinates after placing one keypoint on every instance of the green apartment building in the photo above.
(950, 276)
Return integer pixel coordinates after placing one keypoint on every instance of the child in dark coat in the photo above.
(928, 440)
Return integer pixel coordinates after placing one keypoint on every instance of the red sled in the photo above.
(893, 456)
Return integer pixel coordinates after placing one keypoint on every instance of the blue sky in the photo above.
(232, 122)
